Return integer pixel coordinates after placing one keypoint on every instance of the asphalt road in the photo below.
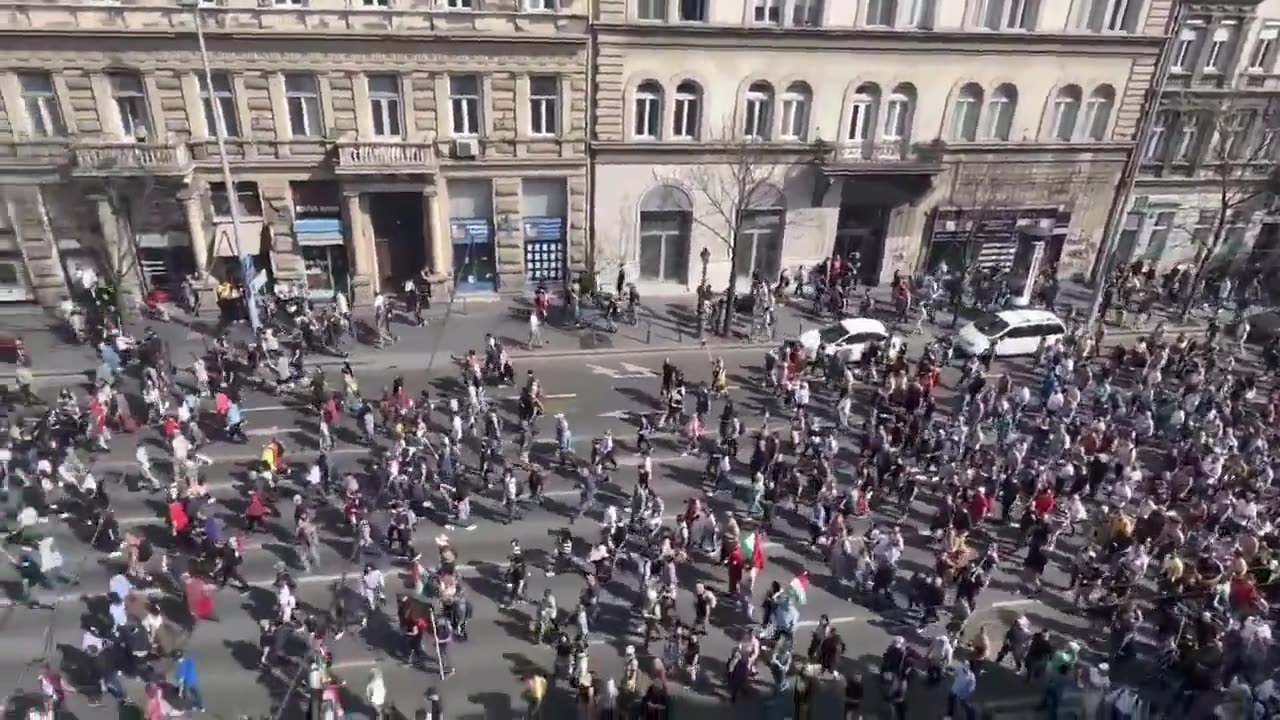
(594, 395)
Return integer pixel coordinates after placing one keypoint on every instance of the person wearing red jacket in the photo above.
(979, 506)
(256, 514)
(737, 564)
(1043, 502)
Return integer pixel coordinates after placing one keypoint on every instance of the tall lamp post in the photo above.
(247, 269)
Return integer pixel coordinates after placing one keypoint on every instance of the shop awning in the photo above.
(318, 231)
(250, 237)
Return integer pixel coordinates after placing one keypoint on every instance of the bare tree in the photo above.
(725, 195)
(978, 198)
(129, 200)
(1239, 163)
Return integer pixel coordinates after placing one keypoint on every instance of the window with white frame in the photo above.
(862, 113)
(1219, 54)
(459, 4)
(999, 113)
(248, 199)
(1186, 48)
(219, 104)
(1268, 141)
(302, 96)
(41, 103)
(464, 104)
(131, 104)
(1109, 15)
(1263, 55)
(806, 13)
(921, 14)
(758, 112)
(1158, 137)
(385, 104)
(289, 3)
(796, 102)
(544, 106)
(647, 123)
(651, 10)
(1233, 134)
(540, 5)
(881, 13)
(1009, 14)
(376, 3)
(964, 116)
(693, 10)
(1066, 111)
(768, 11)
(898, 114)
(1188, 138)
(688, 111)
(1097, 112)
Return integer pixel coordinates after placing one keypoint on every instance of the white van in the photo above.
(1011, 332)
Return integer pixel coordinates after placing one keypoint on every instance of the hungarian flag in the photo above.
(798, 588)
(753, 550)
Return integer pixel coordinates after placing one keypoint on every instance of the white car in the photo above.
(849, 338)
(1011, 332)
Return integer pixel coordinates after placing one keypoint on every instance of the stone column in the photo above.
(364, 261)
(437, 239)
(196, 230)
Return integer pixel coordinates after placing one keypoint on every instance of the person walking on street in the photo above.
(535, 331)
(187, 681)
(375, 693)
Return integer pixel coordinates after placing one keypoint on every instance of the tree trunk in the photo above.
(731, 293)
(1202, 264)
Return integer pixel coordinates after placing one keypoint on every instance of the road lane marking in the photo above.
(835, 620)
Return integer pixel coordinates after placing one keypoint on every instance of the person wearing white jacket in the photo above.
(375, 693)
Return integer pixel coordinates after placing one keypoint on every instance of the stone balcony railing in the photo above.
(381, 156)
(885, 151)
(132, 158)
(41, 153)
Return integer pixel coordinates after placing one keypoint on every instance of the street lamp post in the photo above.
(233, 199)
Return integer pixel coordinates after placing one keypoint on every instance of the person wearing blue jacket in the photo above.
(188, 681)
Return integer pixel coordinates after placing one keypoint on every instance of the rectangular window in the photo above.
(247, 197)
(540, 5)
(131, 104)
(768, 11)
(41, 104)
(302, 95)
(1234, 134)
(759, 118)
(219, 104)
(459, 4)
(881, 13)
(648, 113)
(1160, 229)
(464, 104)
(806, 13)
(897, 117)
(376, 3)
(1219, 54)
(1186, 48)
(1158, 139)
(1188, 138)
(1263, 50)
(860, 120)
(688, 114)
(289, 3)
(1018, 15)
(921, 16)
(544, 106)
(651, 10)
(694, 10)
(384, 104)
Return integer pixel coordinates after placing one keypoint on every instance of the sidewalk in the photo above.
(665, 325)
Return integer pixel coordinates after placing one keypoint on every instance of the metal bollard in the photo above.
(679, 333)
(648, 334)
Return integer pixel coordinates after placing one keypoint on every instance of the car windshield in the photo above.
(831, 334)
(991, 325)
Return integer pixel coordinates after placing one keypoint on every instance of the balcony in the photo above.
(887, 157)
(35, 154)
(381, 157)
(122, 159)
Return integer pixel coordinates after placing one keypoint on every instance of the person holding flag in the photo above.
(748, 556)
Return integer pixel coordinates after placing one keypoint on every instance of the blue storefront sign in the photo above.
(544, 254)
(474, 260)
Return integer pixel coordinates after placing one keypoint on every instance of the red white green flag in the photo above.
(798, 588)
(753, 550)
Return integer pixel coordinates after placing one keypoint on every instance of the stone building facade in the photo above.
(918, 135)
(367, 141)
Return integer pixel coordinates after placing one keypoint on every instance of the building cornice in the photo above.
(683, 153)
(569, 39)
(749, 39)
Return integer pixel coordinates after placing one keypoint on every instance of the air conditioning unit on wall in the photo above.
(466, 148)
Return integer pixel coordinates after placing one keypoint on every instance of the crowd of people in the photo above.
(1144, 470)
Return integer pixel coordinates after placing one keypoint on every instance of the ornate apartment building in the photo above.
(1213, 136)
(368, 139)
(916, 133)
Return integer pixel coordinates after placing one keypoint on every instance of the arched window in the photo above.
(1097, 112)
(1000, 109)
(862, 113)
(796, 102)
(648, 110)
(964, 116)
(899, 110)
(666, 216)
(759, 248)
(1066, 110)
(758, 119)
(688, 118)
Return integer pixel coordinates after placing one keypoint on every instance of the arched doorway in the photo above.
(760, 237)
(666, 218)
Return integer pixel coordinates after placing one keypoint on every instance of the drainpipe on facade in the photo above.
(1124, 189)
(589, 247)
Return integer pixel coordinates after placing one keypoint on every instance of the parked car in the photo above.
(1010, 332)
(849, 338)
